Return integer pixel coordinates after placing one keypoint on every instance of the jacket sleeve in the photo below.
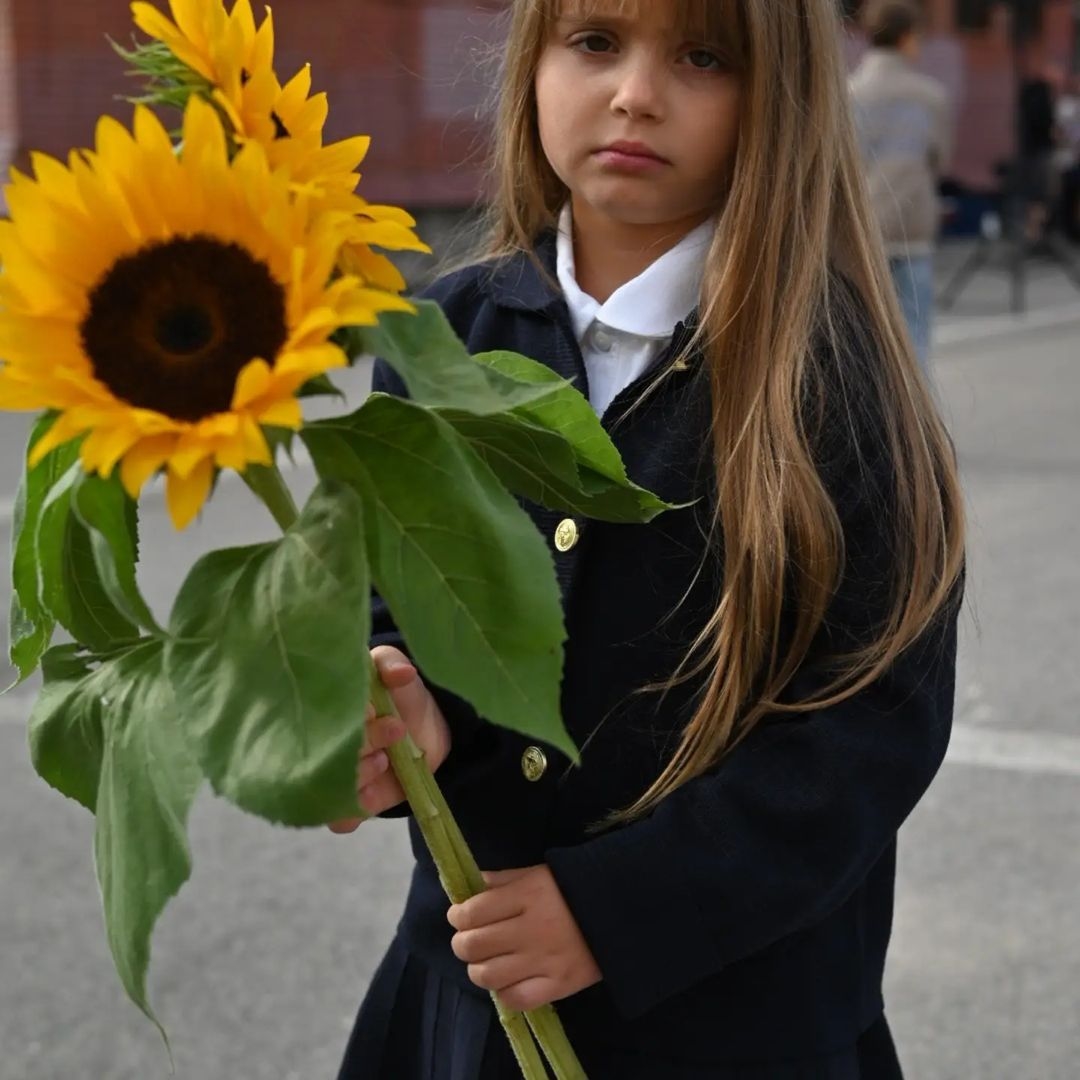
(785, 829)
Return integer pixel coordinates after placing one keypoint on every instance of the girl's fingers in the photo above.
(380, 794)
(394, 667)
(347, 825)
(501, 972)
(498, 939)
(372, 766)
(489, 907)
(381, 733)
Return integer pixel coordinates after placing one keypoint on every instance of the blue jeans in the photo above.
(913, 277)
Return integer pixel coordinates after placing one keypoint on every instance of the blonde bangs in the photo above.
(710, 22)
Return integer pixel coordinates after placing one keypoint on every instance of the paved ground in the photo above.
(259, 964)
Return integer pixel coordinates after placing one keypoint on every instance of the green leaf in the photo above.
(31, 624)
(320, 386)
(470, 582)
(71, 589)
(437, 368)
(565, 410)
(66, 728)
(269, 664)
(105, 732)
(110, 515)
(540, 464)
(351, 340)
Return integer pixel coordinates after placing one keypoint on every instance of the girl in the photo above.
(761, 682)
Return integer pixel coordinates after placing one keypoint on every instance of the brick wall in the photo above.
(403, 72)
(407, 72)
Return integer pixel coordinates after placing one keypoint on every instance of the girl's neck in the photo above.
(609, 253)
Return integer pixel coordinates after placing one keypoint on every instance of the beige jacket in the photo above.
(905, 130)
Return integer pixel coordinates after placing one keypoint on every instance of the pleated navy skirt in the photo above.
(416, 1024)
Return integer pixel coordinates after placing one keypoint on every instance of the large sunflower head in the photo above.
(237, 58)
(169, 306)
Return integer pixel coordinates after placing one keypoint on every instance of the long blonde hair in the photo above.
(769, 298)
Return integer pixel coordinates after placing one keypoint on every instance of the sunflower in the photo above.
(237, 58)
(167, 306)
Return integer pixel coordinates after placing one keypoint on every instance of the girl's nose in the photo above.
(638, 93)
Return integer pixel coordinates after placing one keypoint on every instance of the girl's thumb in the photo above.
(394, 667)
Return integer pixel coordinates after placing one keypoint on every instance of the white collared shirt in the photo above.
(623, 337)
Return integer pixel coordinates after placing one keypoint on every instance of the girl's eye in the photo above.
(704, 60)
(592, 44)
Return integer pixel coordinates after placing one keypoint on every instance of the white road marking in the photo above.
(1033, 752)
(980, 328)
(1039, 752)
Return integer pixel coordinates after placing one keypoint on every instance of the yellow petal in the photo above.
(344, 156)
(187, 455)
(143, 460)
(262, 49)
(104, 447)
(247, 447)
(256, 447)
(152, 23)
(252, 382)
(204, 137)
(19, 396)
(287, 413)
(66, 428)
(185, 494)
(41, 292)
(388, 234)
(376, 270)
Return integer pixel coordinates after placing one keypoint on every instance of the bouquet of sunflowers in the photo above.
(167, 299)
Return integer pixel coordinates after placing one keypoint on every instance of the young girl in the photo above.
(761, 682)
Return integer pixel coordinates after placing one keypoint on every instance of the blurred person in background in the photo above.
(1037, 144)
(1068, 123)
(905, 126)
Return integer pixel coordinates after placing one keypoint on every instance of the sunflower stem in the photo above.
(270, 488)
(461, 879)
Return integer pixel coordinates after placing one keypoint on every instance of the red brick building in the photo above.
(406, 72)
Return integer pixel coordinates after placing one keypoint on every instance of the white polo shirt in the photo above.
(623, 337)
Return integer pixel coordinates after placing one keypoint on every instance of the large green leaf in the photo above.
(269, 663)
(112, 518)
(105, 732)
(563, 409)
(66, 727)
(30, 623)
(540, 464)
(437, 368)
(71, 589)
(470, 582)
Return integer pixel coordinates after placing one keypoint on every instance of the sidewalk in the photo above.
(983, 310)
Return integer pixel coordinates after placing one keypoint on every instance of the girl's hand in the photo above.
(377, 788)
(520, 939)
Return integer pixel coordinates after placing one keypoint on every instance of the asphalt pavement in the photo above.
(259, 964)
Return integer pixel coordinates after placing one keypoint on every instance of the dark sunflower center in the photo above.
(170, 327)
(184, 330)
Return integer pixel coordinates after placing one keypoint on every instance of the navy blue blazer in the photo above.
(747, 918)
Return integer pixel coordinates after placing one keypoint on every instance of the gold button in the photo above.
(566, 534)
(533, 763)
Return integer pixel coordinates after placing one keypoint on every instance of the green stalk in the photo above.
(270, 488)
(410, 767)
(463, 878)
(458, 870)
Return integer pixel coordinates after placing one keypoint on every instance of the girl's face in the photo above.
(637, 120)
